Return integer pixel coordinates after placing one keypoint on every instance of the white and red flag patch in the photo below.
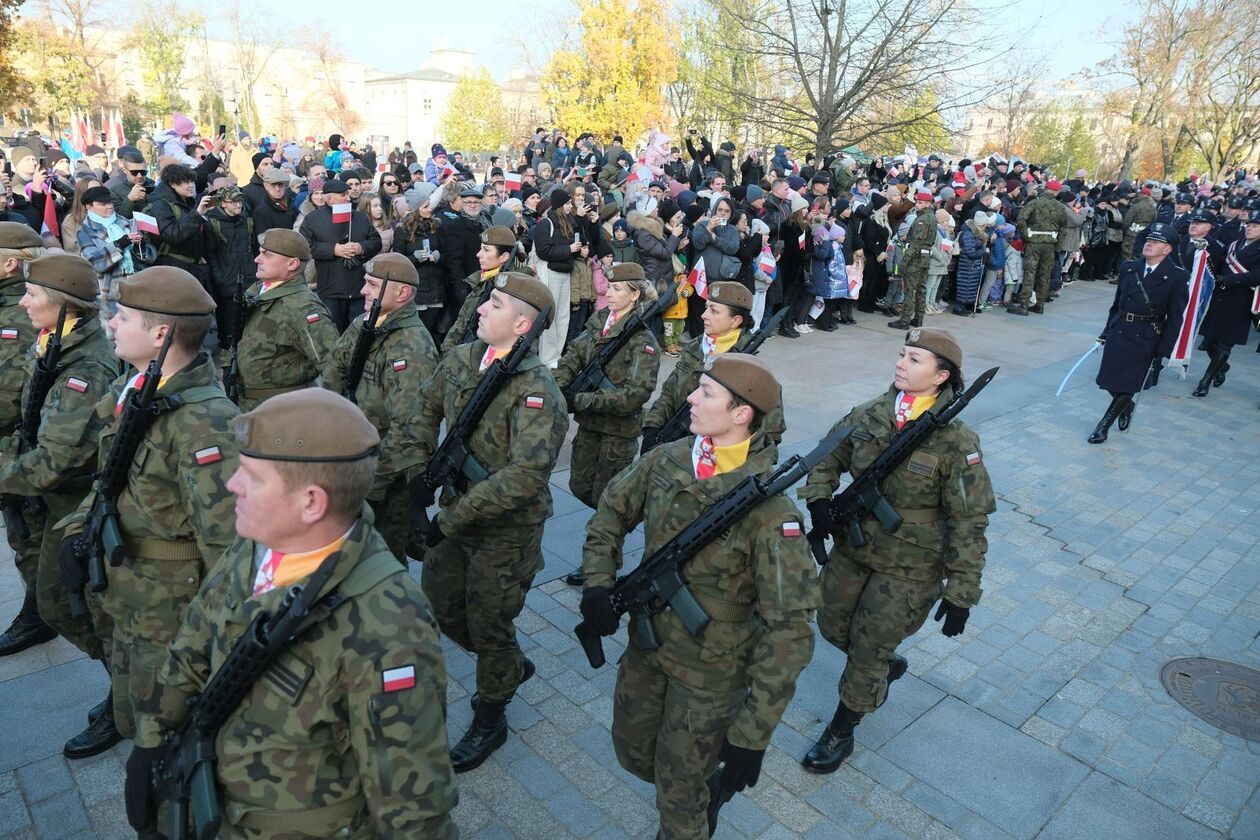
(76, 384)
(400, 365)
(312, 317)
(534, 401)
(973, 458)
(791, 528)
(398, 679)
(9, 333)
(649, 349)
(209, 455)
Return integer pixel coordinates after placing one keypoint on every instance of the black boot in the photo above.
(488, 732)
(846, 312)
(836, 743)
(527, 671)
(1219, 379)
(27, 628)
(1209, 375)
(102, 707)
(902, 323)
(1126, 416)
(575, 578)
(100, 735)
(1118, 403)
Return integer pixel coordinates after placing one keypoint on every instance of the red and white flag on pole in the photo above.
(1200, 288)
(699, 279)
(78, 133)
(512, 182)
(117, 138)
(146, 223)
(341, 213)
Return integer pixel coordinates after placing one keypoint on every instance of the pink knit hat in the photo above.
(182, 125)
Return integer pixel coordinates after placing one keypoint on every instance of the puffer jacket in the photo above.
(655, 248)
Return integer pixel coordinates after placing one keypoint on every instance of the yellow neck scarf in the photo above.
(42, 346)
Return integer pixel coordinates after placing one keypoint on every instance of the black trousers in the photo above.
(343, 310)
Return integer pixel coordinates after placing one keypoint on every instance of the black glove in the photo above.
(820, 514)
(70, 559)
(955, 617)
(421, 495)
(742, 766)
(650, 434)
(122, 242)
(597, 610)
(434, 535)
(141, 809)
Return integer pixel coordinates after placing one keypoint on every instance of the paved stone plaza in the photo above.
(1045, 719)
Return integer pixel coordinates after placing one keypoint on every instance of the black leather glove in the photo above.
(70, 562)
(650, 434)
(141, 809)
(742, 767)
(434, 535)
(421, 495)
(955, 617)
(820, 514)
(597, 610)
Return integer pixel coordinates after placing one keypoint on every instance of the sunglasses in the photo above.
(136, 171)
(390, 183)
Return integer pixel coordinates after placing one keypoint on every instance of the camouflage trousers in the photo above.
(596, 459)
(1038, 265)
(477, 589)
(393, 518)
(914, 275)
(669, 733)
(867, 614)
(26, 551)
(89, 633)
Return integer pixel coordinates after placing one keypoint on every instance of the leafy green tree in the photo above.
(475, 118)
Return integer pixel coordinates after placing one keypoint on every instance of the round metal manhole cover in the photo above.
(1225, 694)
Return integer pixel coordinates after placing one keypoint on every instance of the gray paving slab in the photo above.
(1102, 807)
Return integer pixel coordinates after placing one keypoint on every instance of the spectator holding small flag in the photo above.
(342, 239)
(111, 243)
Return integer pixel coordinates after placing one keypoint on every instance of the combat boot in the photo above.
(902, 323)
(27, 628)
(836, 743)
(488, 732)
(1214, 369)
(101, 707)
(1037, 309)
(1219, 379)
(527, 671)
(1016, 309)
(1118, 404)
(100, 735)
(1126, 416)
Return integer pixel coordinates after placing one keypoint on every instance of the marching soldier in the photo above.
(1198, 237)
(401, 360)
(486, 543)
(878, 595)
(174, 513)
(1040, 225)
(1142, 326)
(498, 245)
(19, 244)
(57, 471)
(345, 735)
(1140, 214)
(914, 268)
(1234, 302)
(696, 700)
(288, 334)
(609, 420)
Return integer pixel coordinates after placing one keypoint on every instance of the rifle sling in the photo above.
(720, 610)
(267, 393)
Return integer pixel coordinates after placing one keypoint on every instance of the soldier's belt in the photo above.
(151, 548)
(1131, 317)
(314, 822)
(267, 393)
(920, 516)
(720, 610)
(1053, 234)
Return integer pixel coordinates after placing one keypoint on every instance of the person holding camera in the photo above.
(111, 242)
(131, 187)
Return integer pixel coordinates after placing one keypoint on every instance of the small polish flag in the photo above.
(209, 455)
(312, 317)
(649, 349)
(397, 679)
(699, 279)
(146, 223)
(341, 213)
(766, 263)
(792, 529)
(973, 459)
(512, 181)
(380, 167)
(76, 384)
(448, 171)
(400, 365)
(534, 402)
(9, 334)
(800, 241)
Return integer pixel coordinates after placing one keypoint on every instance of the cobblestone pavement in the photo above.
(1045, 719)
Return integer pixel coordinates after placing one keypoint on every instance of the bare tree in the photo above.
(332, 103)
(1013, 99)
(253, 47)
(83, 21)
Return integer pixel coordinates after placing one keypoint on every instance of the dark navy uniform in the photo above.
(1229, 317)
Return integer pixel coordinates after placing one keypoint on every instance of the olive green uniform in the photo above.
(478, 576)
(1041, 223)
(16, 336)
(176, 518)
(876, 596)
(287, 340)
(673, 706)
(401, 360)
(609, 419)
(478, 293)
(322, 746)
(914, 268)
(1136, 219)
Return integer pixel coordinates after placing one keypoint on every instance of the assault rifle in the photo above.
(363, 346)
(240, 310)
(658, 581)
(678, 423)
(452, 456)
(101, 539)
(592, 377)
(46, 369)
(864, 497)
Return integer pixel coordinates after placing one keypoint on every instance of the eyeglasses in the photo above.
(136, 171)
(390, 183)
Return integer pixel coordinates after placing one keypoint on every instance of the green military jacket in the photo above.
(942, 491)
(59, 468)
(517, 442)
(401, 360)
(616, 411)
(1042, 221)
(478, 291)
(16, 337)
(286, 343)
(1134, 221)
(175, 513)
(758, 582)
(920, 239)
(345, 734)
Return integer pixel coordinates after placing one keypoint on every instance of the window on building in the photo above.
(989, 124)
(428, 106)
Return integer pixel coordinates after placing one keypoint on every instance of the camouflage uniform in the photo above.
(318, 748)
(478, 576)
(919, 242)
(16, 337)
(673, 706)
(401, 361)
(1041, 223)
(609, 420)
(1136, 219)
(176, 518)
(478, 293)
(878, 595)
(287, 340)
(59, 472)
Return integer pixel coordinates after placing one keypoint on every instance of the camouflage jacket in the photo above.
(920, 238)
(1135, 220)
(517, 442)
(758, 582)
(59, 468)
(942, 491)
(478, 291)
(617, 411)
(401, 360)
(287, 340)
(175, 513)
(321, 730)
(16, 337)
(1044, 213)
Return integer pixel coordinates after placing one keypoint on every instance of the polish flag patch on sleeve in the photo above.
(398, 679)
(312, 317)
(400, 365)
(973, 459)
(534, 401)
(9, 333)
(76, 384)
(209, 455)
(791, 528)
(649, 349)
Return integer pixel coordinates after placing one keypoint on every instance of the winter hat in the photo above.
(753, 193)
(94, 194)
(797, 203)
(258, 158)
(608, 210)
(694, 212)
(503, 216)
(1066, 196)
(795, 182)
(983, 219)
(89, 151)
(241, 135)
(1006, 230)
(559, 196)
(621, 225)
(513, 204)
(437, 149)
(943, 218)
(666, 209)
(878, 200)
(1012, 185)
(527, 191)
(181, 125)
(758, 226)
(948, 194)
(840, 206)
(316, 184)
(686, 199)
(1080, 173)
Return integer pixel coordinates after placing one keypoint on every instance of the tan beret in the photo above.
(527, 288)
(16, 236)
(748, 378)
(393, 267)
(624, 272)
(67, 273)
(499, 235)
(163, 289)
(310, 424)
(286, 243)
(731, 294)
(276, 175)
(939, 342)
